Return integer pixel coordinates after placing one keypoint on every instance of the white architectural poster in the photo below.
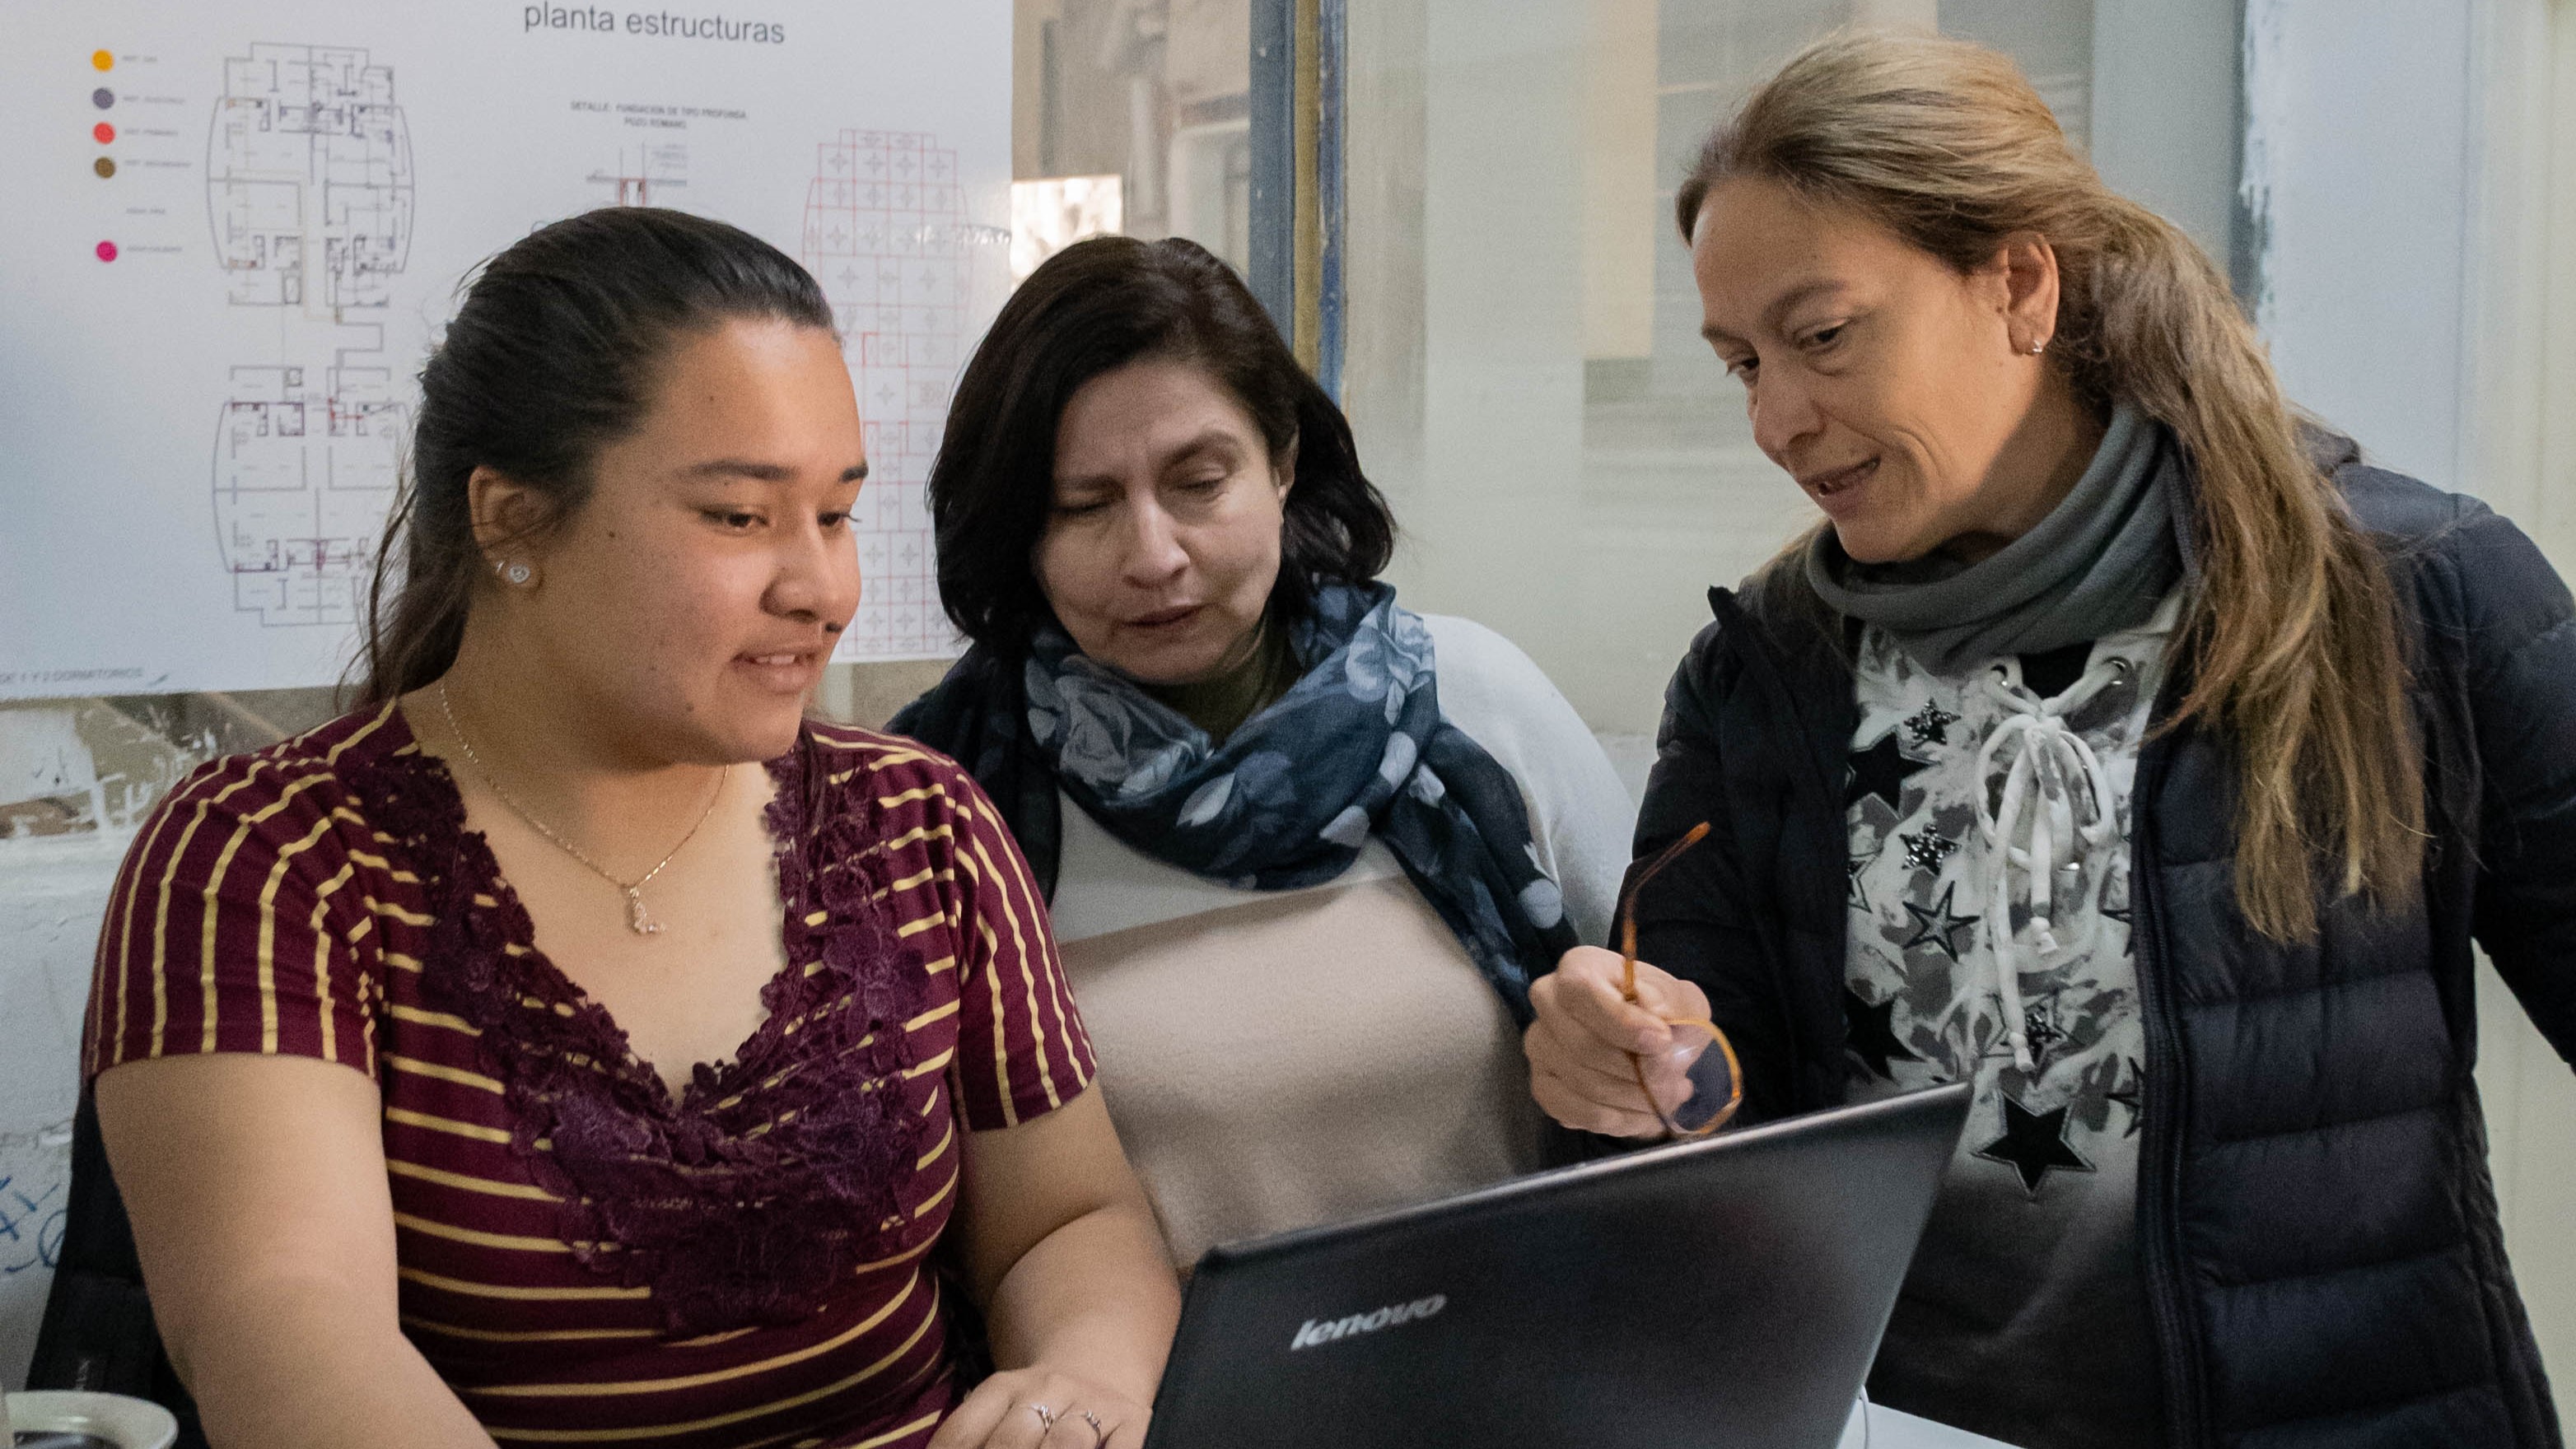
(235, 230)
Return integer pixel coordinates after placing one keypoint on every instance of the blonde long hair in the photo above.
(2292, 632)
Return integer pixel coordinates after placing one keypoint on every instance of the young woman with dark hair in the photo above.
(1316, 845)
(575, 1042)
(2124, 745)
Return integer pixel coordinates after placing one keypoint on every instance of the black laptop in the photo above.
(1726, 1292)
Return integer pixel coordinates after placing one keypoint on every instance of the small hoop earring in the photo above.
(514, 572)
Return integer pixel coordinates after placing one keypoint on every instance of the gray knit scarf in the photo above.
(2098, 563)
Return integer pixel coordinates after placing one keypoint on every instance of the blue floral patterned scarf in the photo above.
(1356, 746)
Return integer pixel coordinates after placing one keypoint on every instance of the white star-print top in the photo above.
(2010, 783)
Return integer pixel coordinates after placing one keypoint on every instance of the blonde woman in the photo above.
(2124, 745)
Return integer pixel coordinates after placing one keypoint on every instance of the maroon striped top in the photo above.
(583, 1259)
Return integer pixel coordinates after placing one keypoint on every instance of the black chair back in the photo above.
(97, 1332)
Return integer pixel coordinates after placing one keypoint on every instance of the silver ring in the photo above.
(1046, 1416)
(1099, 1435)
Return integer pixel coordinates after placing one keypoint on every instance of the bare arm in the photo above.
(257, 1190)
(1063, 1251)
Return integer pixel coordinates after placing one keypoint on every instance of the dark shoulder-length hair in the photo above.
(1092, 308)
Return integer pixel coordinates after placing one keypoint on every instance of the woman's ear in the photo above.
(1283, 470)
(509, 516)
(2024, 271)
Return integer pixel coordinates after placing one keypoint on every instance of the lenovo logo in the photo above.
(1327, 1330)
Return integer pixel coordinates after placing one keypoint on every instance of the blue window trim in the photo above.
(1273, 109)
(1332, 26)
(1272, 247)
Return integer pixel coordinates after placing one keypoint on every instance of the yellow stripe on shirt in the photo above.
(458, 1075)
(207, 1016)
(418, 1016)
(490, 1186)
(322, 962)
(476, 1237)
(468, 1289)
(133, 888)
(698, 1381)
(268, 935)
(408, 1118)
(161, 905)
(523, 1335)
(719, 1421)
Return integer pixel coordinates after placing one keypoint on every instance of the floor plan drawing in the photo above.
(649, 174)
(886, 233)
(309, 178)
(305, 465)
(215, 349)
(309, 197)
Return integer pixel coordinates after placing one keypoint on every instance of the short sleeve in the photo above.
(225, 931)
(1021, 1049)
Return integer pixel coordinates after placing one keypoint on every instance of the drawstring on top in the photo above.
(2033, 827)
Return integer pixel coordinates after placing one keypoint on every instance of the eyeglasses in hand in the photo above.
(1715, 1081)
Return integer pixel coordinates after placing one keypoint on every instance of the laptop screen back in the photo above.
(1715, 1293)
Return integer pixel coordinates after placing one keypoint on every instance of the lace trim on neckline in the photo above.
(773, 1177)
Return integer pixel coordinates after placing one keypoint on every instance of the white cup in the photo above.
(123, 1422)
(1856, 1428)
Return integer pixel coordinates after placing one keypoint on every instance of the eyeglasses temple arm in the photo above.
(1628, 905)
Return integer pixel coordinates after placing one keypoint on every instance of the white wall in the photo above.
(1491, 514)
(2165, 119)
(2358, 172)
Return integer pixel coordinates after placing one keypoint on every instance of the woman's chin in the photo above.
(1162, 665)
(762, 730)
(1877, 541)
(1862, 543)
(773, 732)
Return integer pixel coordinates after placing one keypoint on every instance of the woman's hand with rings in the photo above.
(1580, 1044)
(1037, 1408)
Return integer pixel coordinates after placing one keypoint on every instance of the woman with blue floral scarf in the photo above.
(1318, 846)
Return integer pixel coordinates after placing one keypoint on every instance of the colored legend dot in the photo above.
(103, 132)
(102, 98)
(107, 251)
(103, 59)
(104, 167)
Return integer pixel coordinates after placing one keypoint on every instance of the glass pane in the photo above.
(1131, 117)
(1524, 368)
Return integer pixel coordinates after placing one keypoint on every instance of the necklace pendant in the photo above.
(636, 920)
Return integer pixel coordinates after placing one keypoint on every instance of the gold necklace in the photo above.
(636, 920)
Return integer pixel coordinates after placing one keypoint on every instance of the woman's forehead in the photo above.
(770, 393)
(1157, 407)
(1761, 252)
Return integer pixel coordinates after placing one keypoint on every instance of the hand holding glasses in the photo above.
(1716, 1085)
